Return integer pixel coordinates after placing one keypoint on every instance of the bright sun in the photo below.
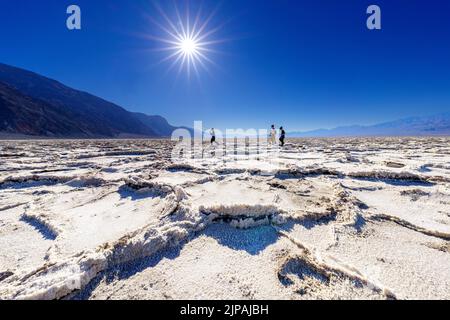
(188, 46)
(188, 40)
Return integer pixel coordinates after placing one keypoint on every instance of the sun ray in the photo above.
(210, 42)
(197, 19)
(174, 63)
(175, 35)
(176, 53)
(180, 20)
(207, 21)
(159, 39)
(188, 22)
(167, 19)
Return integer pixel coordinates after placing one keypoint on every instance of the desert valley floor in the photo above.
(325, 219)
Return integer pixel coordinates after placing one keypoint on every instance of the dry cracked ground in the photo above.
(324, 219)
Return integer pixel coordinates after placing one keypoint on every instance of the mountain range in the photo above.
(436, 125)
(33, 105)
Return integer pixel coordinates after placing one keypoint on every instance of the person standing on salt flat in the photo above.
(212, 132)
(273, 136)
(282, 136)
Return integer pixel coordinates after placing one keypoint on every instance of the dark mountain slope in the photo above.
(28, 116)
(96, 117)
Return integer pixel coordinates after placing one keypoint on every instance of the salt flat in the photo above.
(354, 218)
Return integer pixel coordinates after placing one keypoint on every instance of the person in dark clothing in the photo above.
(212, 132)
(282, 136)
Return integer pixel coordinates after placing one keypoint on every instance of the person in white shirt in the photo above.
(273, 136)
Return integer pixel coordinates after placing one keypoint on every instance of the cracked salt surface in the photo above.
(330, 219)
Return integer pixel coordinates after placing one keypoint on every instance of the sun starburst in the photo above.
(190, 42)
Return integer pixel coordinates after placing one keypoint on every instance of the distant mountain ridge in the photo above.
(414, 126)
(31, 104)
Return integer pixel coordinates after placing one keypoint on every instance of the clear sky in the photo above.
(302, 64)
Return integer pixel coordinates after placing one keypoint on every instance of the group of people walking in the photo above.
(272, 136)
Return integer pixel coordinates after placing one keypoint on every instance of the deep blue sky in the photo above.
(303, 64)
